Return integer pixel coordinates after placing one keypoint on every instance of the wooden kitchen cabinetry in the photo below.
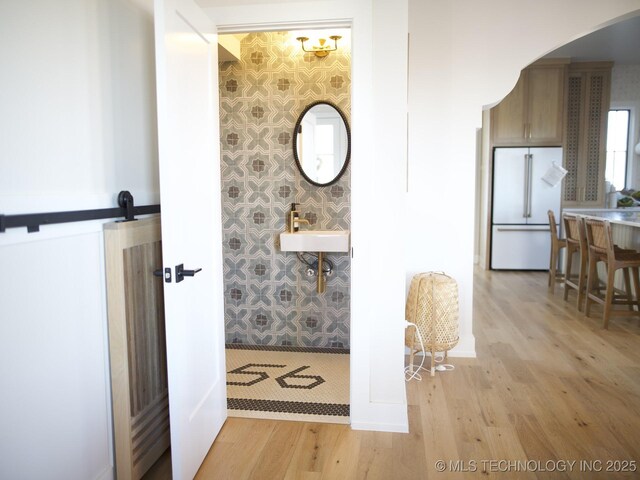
(588, 94)
(533, 112)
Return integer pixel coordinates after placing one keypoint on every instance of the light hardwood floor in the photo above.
(548, 384)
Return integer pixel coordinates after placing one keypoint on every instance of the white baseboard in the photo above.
(380, 427)
(466, 348)
(380, 417)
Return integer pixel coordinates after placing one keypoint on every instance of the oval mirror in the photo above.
(322, 143)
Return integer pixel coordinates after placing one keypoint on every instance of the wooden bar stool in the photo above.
(556, 244)
(601, 248)
(576, 242)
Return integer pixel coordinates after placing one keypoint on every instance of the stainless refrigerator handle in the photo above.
(525, 205)
(530, 179)
(523, 229)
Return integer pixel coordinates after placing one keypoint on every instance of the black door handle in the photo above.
(190, 273)
(181, 272)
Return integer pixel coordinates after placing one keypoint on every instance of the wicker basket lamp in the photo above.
(432, 305)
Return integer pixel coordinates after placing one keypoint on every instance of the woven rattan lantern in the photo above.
(432, 305)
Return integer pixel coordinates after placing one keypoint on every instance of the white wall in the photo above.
(78, 103)
(77, 126)
(76, 92)
(378, 156)
(55, 412)
(625, 93)
(464, 56)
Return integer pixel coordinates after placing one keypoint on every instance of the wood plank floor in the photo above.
(548, 384)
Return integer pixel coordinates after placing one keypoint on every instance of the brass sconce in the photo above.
(321, 50)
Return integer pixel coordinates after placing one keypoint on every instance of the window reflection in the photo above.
(322, 143)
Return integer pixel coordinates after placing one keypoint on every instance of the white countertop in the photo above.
(623, 216)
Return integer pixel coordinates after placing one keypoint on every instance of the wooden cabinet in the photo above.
(533, 112)
(588, 94)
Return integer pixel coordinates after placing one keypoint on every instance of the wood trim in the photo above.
(589, 66)
(489, 193)
(141, 430)
(549, 62)
(118, 351)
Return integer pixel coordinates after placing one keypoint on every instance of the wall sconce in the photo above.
(321, 50)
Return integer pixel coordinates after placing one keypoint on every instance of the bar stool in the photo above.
(601, 248)
(556, 244)
(576, 242)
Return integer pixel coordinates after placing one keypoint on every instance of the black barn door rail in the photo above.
(33, 221)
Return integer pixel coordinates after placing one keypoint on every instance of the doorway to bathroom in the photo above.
(287, 346)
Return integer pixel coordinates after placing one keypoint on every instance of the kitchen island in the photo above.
(625, 223)
(620, 216)
(625, 229)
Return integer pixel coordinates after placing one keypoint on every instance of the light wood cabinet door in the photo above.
(574, 180)
(545, 105)
(507, 118)
(533, 112)
(585, 148)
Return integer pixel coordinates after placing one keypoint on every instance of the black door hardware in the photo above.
(125, 200)
(126, 208)
(167, 274)
(181, 272)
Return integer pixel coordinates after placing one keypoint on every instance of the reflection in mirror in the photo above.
(321, 143)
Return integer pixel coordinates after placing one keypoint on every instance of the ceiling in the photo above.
(619, 43)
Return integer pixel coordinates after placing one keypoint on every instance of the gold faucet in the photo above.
(295, 220)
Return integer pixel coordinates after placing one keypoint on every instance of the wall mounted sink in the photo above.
(315, 241)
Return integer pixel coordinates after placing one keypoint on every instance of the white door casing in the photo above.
(189, 160)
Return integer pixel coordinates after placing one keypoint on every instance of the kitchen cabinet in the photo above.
(588, 94)
(532, 114)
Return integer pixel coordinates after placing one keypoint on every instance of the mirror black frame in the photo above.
(295, 143)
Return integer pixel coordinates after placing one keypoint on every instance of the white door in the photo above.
(510, 188)
(189, 157)
(543, 196)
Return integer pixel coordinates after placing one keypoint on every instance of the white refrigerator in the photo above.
(520, 238)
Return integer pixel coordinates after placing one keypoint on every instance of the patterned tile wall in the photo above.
(269, 299)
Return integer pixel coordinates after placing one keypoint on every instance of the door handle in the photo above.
(181, 272)
(530, 181)
(525, 200)
(529, 229)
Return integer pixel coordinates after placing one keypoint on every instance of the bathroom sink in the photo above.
(315, 241)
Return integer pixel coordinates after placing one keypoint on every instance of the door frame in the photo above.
(377, 386)
(277, 27)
